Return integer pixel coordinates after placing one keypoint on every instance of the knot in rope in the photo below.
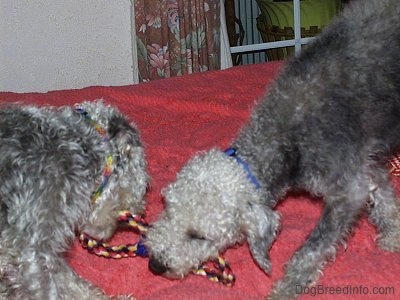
(129, 250)
(220, 271)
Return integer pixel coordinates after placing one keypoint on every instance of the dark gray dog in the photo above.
(327, 125)
(52, 160)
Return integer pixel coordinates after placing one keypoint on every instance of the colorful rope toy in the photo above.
(394, 165)
(219, 271)
(129, 250)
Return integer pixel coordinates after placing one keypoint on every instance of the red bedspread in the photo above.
(180, 116)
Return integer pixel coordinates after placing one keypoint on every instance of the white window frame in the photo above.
(296, 42)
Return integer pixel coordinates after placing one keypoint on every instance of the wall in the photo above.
(62, 44)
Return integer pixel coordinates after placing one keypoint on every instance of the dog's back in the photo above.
(328, 125)
(352, 73)
(338, 101)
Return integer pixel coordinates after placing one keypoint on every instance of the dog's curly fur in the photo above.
(51, 161)
(327, 125)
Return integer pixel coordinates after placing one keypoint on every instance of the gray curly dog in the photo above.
(52, 159)
(327, 125)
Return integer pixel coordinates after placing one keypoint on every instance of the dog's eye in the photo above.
(194, 235)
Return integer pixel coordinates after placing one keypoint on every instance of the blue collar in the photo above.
(233, 153)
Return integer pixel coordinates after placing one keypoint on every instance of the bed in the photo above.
(180, 116)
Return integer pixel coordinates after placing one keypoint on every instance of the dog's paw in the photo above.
(100, 232)
(123, 297)
(283, 291)
(302, 272)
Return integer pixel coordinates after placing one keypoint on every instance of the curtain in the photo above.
(177, 37)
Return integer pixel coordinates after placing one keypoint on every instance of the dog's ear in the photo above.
(124, 134)
(131, 164)
(260, 224)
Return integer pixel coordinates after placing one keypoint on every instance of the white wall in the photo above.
(63, 44)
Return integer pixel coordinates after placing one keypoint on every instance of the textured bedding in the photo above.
(180, 116)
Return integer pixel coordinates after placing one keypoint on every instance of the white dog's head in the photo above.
(211, 206)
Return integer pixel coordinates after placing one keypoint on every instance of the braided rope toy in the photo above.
(129, 250)
(220, 271)
(394, 165)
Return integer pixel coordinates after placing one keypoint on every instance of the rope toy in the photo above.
(220, 271)
(129, 250)
(394, 165)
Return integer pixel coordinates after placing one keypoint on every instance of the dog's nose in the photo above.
(156, 267)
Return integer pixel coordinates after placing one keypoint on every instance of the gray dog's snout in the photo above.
(157, 267)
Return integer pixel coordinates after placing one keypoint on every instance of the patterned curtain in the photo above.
(177, 37)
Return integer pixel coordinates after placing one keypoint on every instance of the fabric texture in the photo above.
(177, 37)
(180, 116)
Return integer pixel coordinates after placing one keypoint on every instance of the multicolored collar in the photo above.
(109, 164)
(232, 152)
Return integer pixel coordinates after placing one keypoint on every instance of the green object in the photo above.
(312, 12)
(276, 21)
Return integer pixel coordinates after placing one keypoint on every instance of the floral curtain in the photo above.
(177, 37)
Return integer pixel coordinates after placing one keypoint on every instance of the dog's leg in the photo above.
(103, 219)
(384, 212)
(307, 263)
(126, 192)
(32, 269)
(74, 287)
(36, 277)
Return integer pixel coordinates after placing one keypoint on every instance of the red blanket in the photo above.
(180, 116)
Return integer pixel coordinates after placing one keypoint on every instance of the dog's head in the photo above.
(127, 184)
(211, 206)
